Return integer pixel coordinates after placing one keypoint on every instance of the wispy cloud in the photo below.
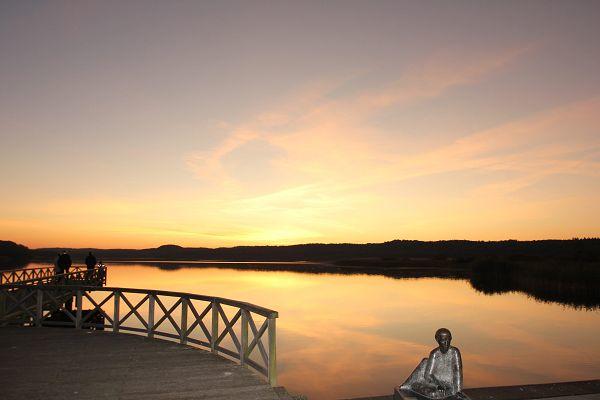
(318, 167)
(333, 162)
(325, 136)
(441, 72)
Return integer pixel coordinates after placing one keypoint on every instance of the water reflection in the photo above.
(344, 336)
(575, 286)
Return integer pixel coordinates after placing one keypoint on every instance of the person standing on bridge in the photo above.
(90, 261)
(64, 262)
(58, 265)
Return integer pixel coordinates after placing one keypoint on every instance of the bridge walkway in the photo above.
(48, 363)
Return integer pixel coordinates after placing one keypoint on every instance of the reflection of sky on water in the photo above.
(342, 336)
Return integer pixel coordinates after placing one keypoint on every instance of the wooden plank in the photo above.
(183, 331)
(116, 318)
(244, 334)
(150, 326)
(214, 334)
(272, 352)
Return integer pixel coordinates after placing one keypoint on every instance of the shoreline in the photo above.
(567, 283)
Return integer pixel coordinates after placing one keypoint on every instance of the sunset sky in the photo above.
(136, 124)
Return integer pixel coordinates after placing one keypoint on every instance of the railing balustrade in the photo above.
(233, 328)
(17, 275)
(46, 275)
(80, 276)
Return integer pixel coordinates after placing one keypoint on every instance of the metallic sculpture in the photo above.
(437, 377)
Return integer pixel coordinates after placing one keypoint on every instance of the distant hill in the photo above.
(563, 271)
(13, 255)
(575, 249)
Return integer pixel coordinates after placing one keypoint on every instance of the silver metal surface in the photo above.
(440, 375)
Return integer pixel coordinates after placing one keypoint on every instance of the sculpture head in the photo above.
(443, 337)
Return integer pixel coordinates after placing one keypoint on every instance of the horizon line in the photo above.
(310, 243)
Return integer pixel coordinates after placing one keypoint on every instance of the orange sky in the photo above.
(210, 125)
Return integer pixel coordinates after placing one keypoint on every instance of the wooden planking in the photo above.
(43, 363)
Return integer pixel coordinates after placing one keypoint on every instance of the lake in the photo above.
(343, 336)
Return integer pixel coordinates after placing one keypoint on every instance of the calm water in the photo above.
(343, 336)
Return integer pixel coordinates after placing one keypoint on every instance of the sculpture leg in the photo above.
(417, 384)
(417, 376)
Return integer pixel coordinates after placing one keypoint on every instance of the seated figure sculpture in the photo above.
(439, 376)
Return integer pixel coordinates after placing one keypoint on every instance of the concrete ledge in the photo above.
(541, 391)
(582, 390)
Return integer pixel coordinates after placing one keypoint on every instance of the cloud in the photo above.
(441, 72)
(335, 171)
(559, 140)
(324, 135)
(318, 167)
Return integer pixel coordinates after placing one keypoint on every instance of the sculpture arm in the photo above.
(428, 375)
(457, 365)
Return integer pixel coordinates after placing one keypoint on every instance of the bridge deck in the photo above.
(48, 363)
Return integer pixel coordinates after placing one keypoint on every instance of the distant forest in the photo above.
(14, 255)
(563, 271)
(457, 250)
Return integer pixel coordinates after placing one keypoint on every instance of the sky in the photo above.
(137, 124)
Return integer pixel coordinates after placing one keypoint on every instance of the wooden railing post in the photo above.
(215, 327)
(244, 337)
(79, 308)
(151, 301)
(183, 324)
(116, 312)
(39, 308)
(272, 352)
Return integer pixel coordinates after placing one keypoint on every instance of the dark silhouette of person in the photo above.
(63, 265)
(58, 265)
(68, 263)
(90, 261)
(64, 262)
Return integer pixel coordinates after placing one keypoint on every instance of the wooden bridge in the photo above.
(94, 361)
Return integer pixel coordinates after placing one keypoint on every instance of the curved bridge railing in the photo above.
(230, 327)
(23, 274)
(80, 276)
(46, 275)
